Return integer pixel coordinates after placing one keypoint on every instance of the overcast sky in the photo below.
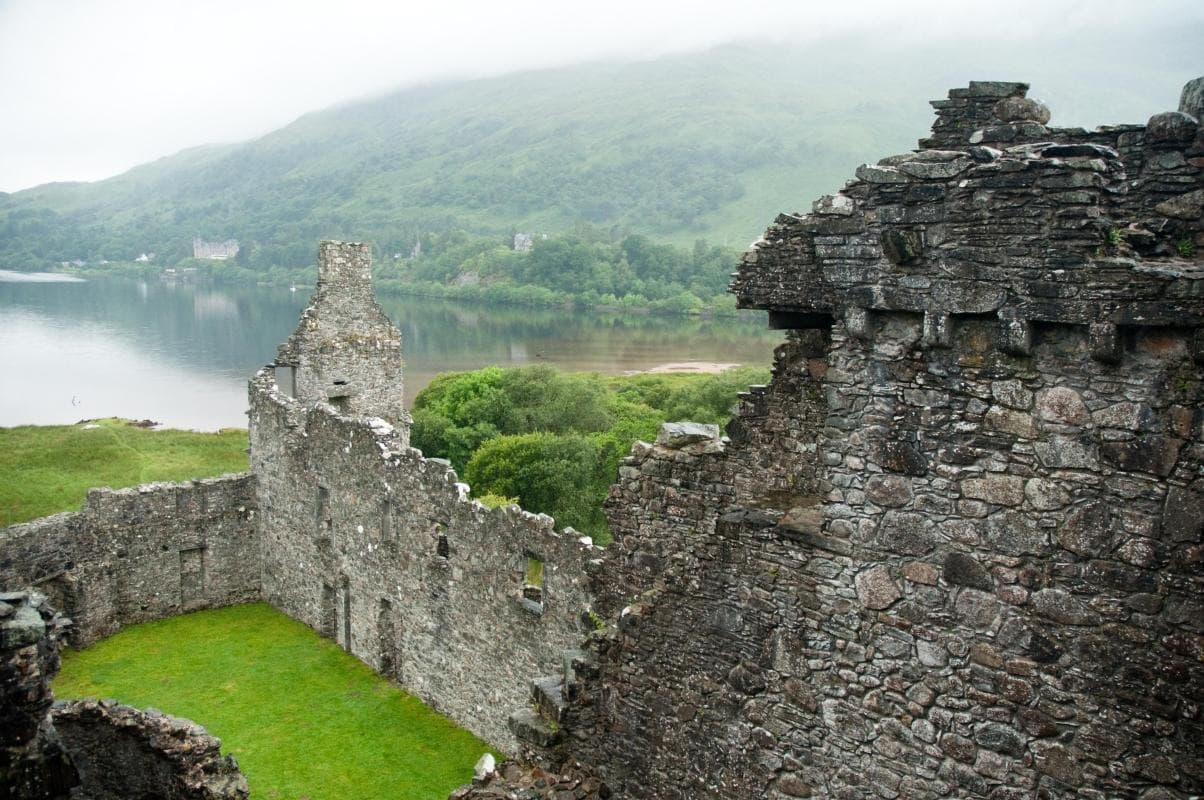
(89, 88)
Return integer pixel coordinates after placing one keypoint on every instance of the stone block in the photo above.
(938, 330)
(962, 569)
(1012, 394)
(1154, 454)
(1045, 495)
(874, 174)
(1001, 738)
(875, 588)
(1104, 338)
(1021, 109)
(1191, 99)
(1015, 533)
(834, 205)
(1004, 490)
(901, 245)
(1124, 416)
(1066, 452)
(888, 490)
(1008, 420)
(1187, 206)
(1062, 405)
(676, 435)
(1062, 607)
(906, 533)
(1183, 513)
(1171, 127)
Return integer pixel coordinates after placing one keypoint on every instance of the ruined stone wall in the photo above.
(85, 749)
(380, 549)
(689, 476)
(987, 579)
(122, 752)
(139, 554)
(33, 762)
(345, 350)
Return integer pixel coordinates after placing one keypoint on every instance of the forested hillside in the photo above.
(709, 145)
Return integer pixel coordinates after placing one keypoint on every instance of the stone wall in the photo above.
(345, 351)
(955, 547)
(340, 524)
(33, 762)
(86, 749)
(380, 549)
(139, 554)
(122, 752)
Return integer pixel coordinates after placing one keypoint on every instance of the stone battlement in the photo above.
(953, 548)
(998, 215)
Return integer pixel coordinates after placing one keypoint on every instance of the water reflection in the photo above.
(182, 354)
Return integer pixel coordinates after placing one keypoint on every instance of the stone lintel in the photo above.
(991, 89)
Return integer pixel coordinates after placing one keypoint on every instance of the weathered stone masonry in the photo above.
(339, 524)
(954, 548)
(379, 548)
(139, 554)
(88, 749)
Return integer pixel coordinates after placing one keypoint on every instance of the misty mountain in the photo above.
(709, 145)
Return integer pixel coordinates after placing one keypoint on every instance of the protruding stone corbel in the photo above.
(938, 329)
(1104, 338)
(1197, 346)
(1015, 335)
(901, 246)
(857, 322)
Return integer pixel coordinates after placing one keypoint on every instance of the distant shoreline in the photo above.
(691, 367)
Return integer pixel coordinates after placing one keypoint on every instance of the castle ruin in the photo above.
(214, 251)
(953, 549)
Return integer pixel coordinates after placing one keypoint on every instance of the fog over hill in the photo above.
(706, 145)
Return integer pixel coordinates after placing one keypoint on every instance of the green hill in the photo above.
(705, 146)
(708, 145)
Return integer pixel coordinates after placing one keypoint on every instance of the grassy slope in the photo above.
(303, 718)
(47, 469)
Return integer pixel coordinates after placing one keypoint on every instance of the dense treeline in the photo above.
(589, 267)
(551, 441)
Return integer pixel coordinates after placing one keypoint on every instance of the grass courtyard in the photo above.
(45, 469)
(303, 718)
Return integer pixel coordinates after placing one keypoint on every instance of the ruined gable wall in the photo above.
(345, 350)
(999, 594)
(142, 553)
(363, 536)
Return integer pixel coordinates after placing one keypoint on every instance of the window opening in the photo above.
(533, 584)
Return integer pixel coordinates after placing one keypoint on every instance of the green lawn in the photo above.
(303, 718)
(45, 469)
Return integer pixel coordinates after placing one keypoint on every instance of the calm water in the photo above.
(181, 355)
